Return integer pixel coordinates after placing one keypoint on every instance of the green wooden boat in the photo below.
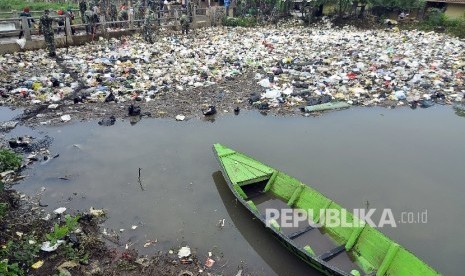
(333, 250)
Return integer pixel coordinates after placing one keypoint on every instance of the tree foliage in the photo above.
(398, 4)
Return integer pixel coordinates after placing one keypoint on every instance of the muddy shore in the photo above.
(85, 251)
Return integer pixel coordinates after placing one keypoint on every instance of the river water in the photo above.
(405, 160)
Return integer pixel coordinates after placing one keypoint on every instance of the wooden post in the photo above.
(68, 33)
(194, 17)
(15, 14)
(103, 25)
(176, 19)
(130, 15)
(26, 29)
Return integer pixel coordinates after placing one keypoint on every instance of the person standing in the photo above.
(123, 15)
(96, 9)
(137, 14)
(151, 5)
(82, 9)
(46, 28)
(61, 21)
(96, 18)
(104, 9)
(113, 14)
(184, 20)
(25, 13)
(148, 27)
(89, 21)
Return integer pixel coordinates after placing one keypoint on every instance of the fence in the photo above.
(14, 25)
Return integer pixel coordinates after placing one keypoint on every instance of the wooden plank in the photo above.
(245, 171)
(393, 249)
(300, 232)
(332, 253)
(252, 163)
(271, 181)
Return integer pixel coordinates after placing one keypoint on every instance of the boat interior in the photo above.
(355, 248)
(303, 235)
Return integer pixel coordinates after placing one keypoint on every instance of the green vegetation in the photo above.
(22, 251)
(10, 269)
(38, 5)
(398, 4)
(9, 160)
(239, 21)
(59, 232)
(437, 20)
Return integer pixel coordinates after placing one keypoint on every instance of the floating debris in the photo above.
(37, 264)
(59, 211)
(96, 212)
(48, 247)
(209, 262)
(184, 252)
(180, 117)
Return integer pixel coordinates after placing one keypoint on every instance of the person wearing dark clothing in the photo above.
(147, 29)
(82, 9)
(113, 14)
(123, 15)
(184, 20)
(46, 28)
(151, 5)
(89, 21)
(25, 13)
(96, 20)
(61, 22)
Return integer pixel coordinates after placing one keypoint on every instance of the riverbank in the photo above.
(36, 242)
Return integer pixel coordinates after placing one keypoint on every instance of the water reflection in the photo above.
(258, 237)
(459, 110)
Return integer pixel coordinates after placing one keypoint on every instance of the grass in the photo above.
(38, 5)
(239, 21)
(10, 269)
(436, 19)
(9, 160)
(19, 252)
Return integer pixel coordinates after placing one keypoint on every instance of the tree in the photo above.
(398, 4)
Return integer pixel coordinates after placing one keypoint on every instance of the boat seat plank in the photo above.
(239, 172)
(254, 195)
(300, 232)
(344, 262)
(251, 164)
(332, 253)
(319, 242)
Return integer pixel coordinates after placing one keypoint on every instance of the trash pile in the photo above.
(30, 78)
(331, 69)
(296, 67)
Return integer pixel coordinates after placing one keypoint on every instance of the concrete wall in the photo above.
(455, 10)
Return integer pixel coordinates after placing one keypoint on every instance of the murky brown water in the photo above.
(400, 159)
